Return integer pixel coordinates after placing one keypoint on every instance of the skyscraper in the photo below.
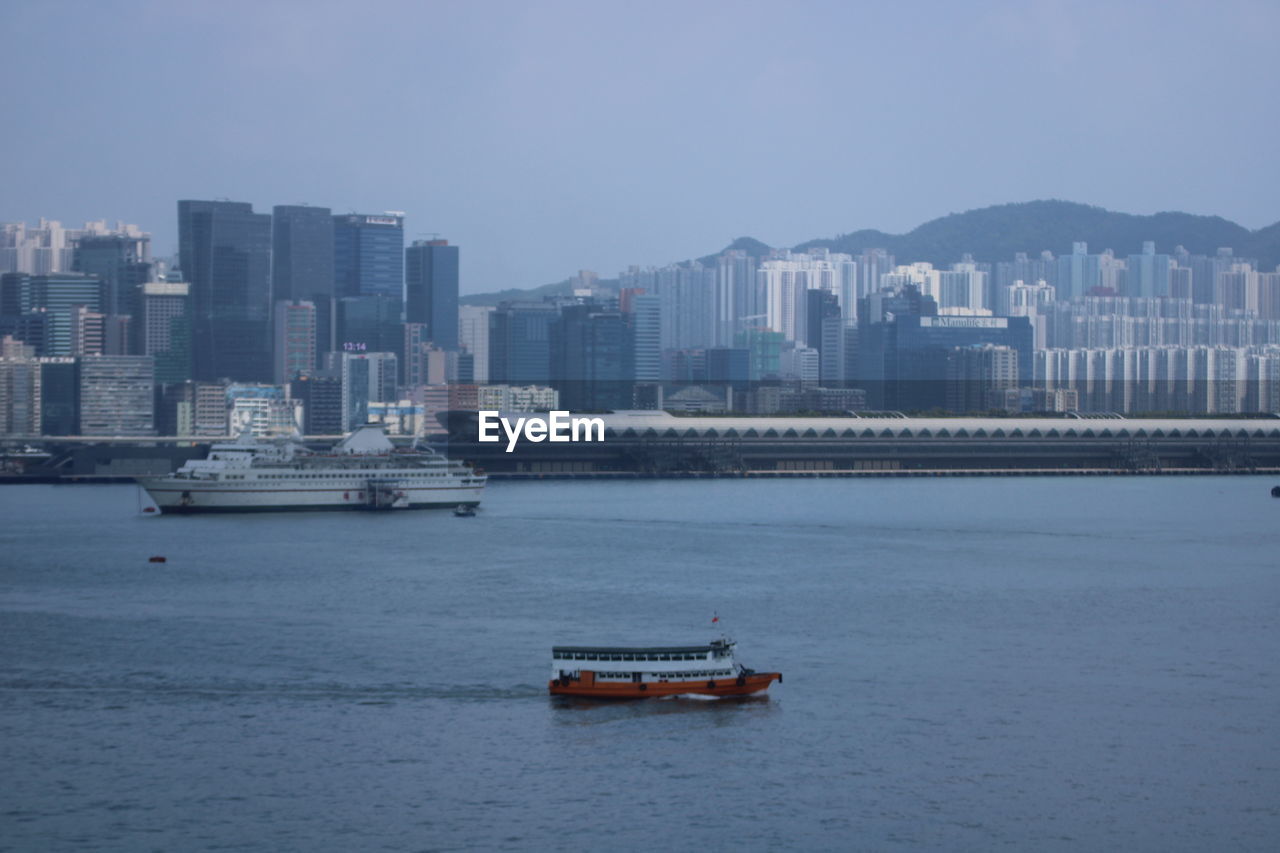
(368, 255)
(301, 252)
(47, 247)
(591, 355)
(366, 378)
(369, 324)
(46, 310)
(431, 290)
(825, 333)
(473, 335)
(1078, 272)
(122, 262)
(19, 396)
(294, 339)
(321, 398)
(520, 344)
(1148, 274)
(162, 328)
(302, 265)
(225, 251)
(644, 312)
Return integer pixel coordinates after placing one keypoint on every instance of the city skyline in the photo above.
(530, 124)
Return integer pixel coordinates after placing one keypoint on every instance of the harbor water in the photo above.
(969, 664)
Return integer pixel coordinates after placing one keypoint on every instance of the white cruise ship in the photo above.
(363, 471)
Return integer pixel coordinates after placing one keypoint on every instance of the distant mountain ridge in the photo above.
(997, 233)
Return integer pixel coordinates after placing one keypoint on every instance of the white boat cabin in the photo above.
(659, 663)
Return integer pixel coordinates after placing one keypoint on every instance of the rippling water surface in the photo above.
(970, 664)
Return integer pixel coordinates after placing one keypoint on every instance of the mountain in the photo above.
(750, 245)
(997, 233)
(558, 288)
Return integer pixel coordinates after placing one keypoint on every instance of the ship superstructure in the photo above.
(609, 672)
(363, 471)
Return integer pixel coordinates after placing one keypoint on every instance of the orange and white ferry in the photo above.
(607, 672)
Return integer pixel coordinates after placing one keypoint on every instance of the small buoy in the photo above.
(156, 559)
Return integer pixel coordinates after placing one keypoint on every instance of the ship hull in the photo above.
(588, 686)
(181, 498)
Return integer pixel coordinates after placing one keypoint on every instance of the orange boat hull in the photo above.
(587, 685)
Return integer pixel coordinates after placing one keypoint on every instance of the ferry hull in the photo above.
(588, 686)
(182, 499)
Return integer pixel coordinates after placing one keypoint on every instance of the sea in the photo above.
(1041, 664)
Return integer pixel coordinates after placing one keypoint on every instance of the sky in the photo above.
(545, 137)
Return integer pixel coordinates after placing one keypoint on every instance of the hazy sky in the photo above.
(547, 136)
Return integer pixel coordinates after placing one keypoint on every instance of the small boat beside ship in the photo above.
(363, 471)
(609, 672)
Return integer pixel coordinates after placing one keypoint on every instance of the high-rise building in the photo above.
(49, 248)
(689, 299)
(19, 396)
(39, 250)
(825, 333)
(765, 347)
(369, 323)
(210, 414)
(520, 343)
(1148, 274)
(1269, 295)
(121, 262)
(473, 336)
(225, 252)
(800, 362)
(1236, 288)
(591, 357)
(22, 292)
(978, 376)
(366, 377)
(431, 290)
(644, 313)
(729, 365)
(263, 410)
(162, 328)
(1023, 268)
(871, 264)
(739, 296)
(1077, 273)
(411, 362)
(59, 396)
(117, 395)
(368, 255)
(294, 339)
(963, 287)
(903, 362)
(302, 250)
(787, 278)
(302, 265)
(53, 312)
(321, 398)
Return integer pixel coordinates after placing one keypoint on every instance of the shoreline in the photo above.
(761, 474)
